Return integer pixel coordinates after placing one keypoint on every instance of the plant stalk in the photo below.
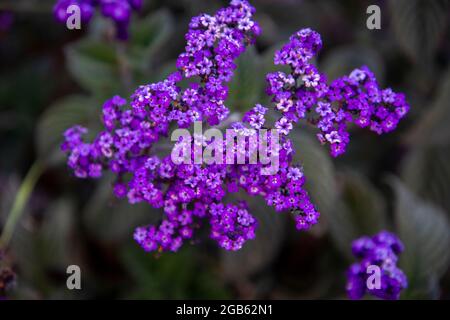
(20, 201)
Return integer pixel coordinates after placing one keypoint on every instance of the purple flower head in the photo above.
(187, 193)
(191, 194)
(380, 252)
(305, 94)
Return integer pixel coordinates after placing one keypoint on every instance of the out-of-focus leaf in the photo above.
(55, 232)
(425, 232)
(433, 128)
(94, 65)
(112, 219)
(361, 210)
(169, 276)
(26, 89)
(259, 253)
(148, 36)
(342, 60)
(426, 169)
(40, 250)
(419, 25)
(72, 110)
(247, 85)
(427, 172)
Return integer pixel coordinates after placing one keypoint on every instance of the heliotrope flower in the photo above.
(305, 94)
(119, 11)
(381, 250)
(187, 193)
(192, 194)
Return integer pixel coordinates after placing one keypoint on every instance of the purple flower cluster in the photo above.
(186, 192)
(283, 190)
(381, 250)
(305, 94)
(192, 193)
(117, 10)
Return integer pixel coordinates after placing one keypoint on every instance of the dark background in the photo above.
(51, 78)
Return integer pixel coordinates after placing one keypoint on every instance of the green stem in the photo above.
(20, 201)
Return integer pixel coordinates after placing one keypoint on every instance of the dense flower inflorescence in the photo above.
(305, 94)
(191, 193)
(187, 193)
(119, 11)
(381, 250)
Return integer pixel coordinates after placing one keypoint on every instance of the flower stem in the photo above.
(20, 201)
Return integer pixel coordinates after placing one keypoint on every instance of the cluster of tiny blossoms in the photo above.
(305, 94)
(282, 190)
(380, 250)
(117, 10)
(187, 193)
(192, 193)
(281, 185)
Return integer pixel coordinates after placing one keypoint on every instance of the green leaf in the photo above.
(55, 233)
(69, 111)
(426, 169)
(365, 203)
(342, 60)
(95, 66)
(170, 276)
(148, 36)
(425, 232)
(427, 172)
(433, 128)
(419, 26)
(45, 248)
(361, 210)
(247, 85)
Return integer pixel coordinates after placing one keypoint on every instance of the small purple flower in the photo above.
(380, 251)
